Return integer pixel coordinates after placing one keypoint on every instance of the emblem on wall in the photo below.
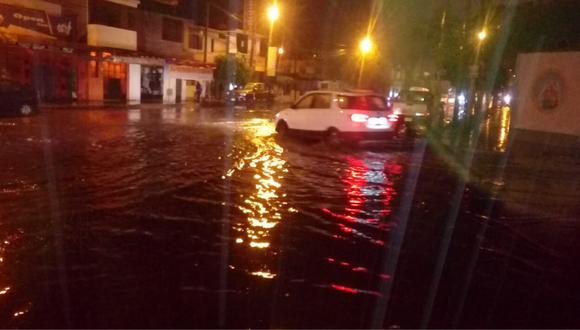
(548, 91)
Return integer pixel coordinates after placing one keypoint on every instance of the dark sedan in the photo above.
(17, 99)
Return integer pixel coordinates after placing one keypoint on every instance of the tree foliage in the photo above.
(230, 69)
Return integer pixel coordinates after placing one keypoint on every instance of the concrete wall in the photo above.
(547, 91)
(128, 3)
(107, 36)
(151, 38)
(134, 81)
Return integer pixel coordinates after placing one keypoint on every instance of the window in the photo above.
(104, 13)
(212, 45)
(305, 102)
(9, 86)
(195, 39)
(111, 14)
(362, 102)
(263, 48)
(242, 43)
(321, 101)
(172, 30)
(131, 22)
(412, 97)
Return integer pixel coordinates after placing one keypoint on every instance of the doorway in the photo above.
(190, 88)
(178, 83)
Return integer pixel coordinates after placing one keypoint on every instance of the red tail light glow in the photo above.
(359, 118)
(393, 118)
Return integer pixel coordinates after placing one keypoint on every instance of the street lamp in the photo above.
(366, 45)
(475, 69)
(273, 12)
(273, 16)
(281, 51)
(482, 35)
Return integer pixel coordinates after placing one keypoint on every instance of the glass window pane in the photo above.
(321, 101)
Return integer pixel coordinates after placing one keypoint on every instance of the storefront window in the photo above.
(195, 39)
(151, 82)
(242, 43)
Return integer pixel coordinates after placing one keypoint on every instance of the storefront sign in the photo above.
(37, 21)
(63, 27)
(188, 69)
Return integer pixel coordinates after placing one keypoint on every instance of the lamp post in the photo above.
(474, 72)
(273, 16)
(366, 47)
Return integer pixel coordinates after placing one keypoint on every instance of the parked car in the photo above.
(17, 99)
(252, 94)
(415, 105)
(338, 116)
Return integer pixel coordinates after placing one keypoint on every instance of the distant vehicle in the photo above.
(252, 94)
(338, 116)
(17, 99)
(415, 106)
(328, 85)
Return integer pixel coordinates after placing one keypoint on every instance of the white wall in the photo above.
(129, 3)
(170, 82)
(134, 90)
(535, 72)
(107, 36)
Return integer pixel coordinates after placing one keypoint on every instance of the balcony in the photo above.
(111, 37)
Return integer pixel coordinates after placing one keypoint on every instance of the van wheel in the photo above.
(25, 110)
(282, 129)
(332, 137)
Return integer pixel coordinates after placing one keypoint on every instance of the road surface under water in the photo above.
(182, 217)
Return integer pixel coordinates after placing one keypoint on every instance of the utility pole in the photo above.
(252, 20)
(206, 30)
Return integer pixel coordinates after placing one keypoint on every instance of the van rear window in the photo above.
(362, 102)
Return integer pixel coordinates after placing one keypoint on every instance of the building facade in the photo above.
(113, 50)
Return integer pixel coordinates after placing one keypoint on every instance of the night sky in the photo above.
(322, 24)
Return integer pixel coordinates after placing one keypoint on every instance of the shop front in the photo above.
(110, 76)
(32, 53)
(181, 82)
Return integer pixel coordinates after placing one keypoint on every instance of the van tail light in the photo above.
(359, 118)
(393, 118)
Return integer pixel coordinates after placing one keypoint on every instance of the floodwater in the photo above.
(181, 217)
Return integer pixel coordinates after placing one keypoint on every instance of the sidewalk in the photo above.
(111, 105)
(100, 105)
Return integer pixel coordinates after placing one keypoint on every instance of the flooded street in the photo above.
(181, 217)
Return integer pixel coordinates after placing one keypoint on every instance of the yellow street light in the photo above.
(482, 35)
(280, 51)
(273, 12)
(366, 45)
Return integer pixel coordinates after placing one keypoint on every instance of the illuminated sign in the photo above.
(37, 21)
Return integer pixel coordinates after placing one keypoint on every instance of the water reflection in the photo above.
(14, 305)
(504, 128)
(369, 187)
(264, 203)
(496, 129)
(134, 115)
